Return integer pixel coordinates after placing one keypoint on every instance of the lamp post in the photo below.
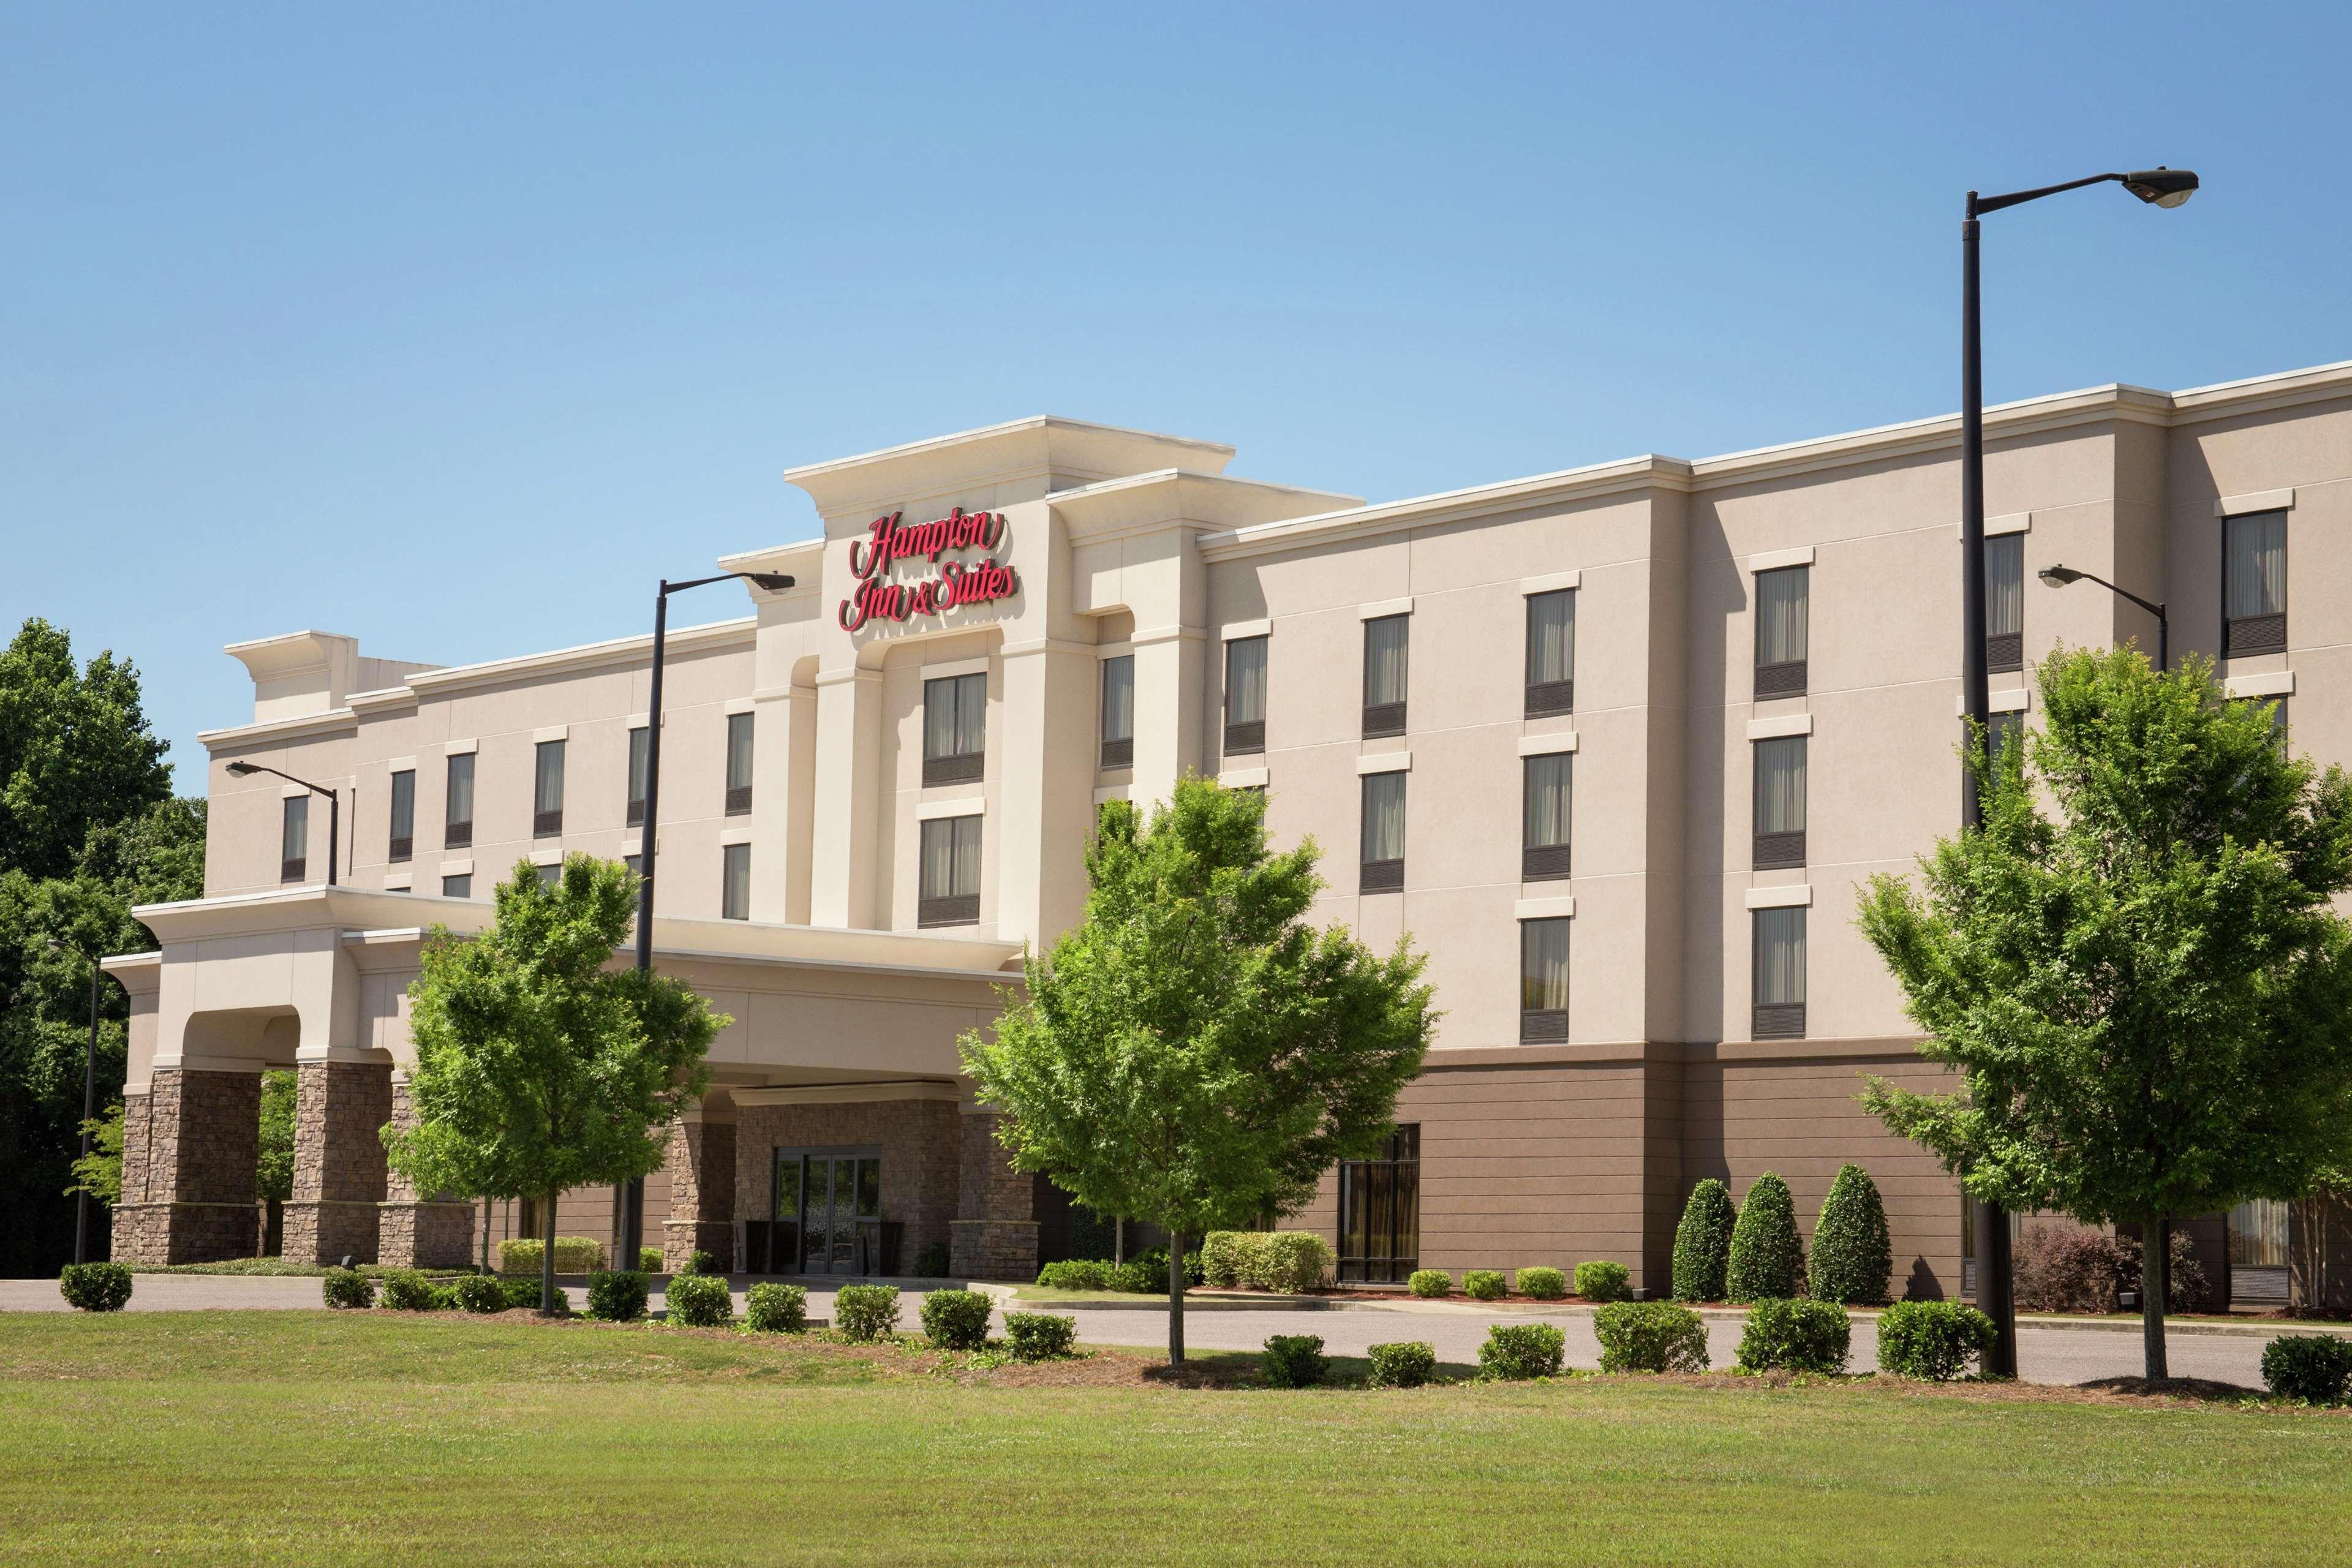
(1996, 1295)
(335, 808)
(2059, 576)
(88, 1101)
(633, 1201)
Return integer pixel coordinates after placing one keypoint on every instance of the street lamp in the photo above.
(1996, 1295)
(633, 1202)
(89, 1099)
(2059, 576)
(334, 806)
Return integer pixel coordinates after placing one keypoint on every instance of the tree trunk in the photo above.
(2155, 1286)
(1175, 1297)
(547, 1262)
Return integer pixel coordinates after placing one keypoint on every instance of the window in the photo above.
(1543, 979)
(458, 807)
(955, 729)
(2254, 583)
(1543, 816)
(1379, 1213)
(640, 758)
(1779, 988)
(1551, 653)
(403, 814)
(1245, 695)
(735, 882)
(551, 873)
(1779, 803)
(1118, 711)
(2005, 602)
(547, 791)
(457, 887)
(2000, 727)
(1387, 642)
(1782, 605)
(949, 873)
(739, 764)
(636, 863)
(1382, 864)
(294, 838)
(2259, 1232)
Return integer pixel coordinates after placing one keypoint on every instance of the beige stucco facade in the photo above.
(1120, 544)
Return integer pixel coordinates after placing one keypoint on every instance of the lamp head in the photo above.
(243, 770)
(2059, 576)
(2165, 187)
(773, 582)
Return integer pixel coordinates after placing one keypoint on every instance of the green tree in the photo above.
(75, 751)
(100, 1172)
(1853, 1256)
(2134, 968)
(1703, 1243)
(539, 1069)
(1768, 1255)
(273, 1170)
(1193, 1053)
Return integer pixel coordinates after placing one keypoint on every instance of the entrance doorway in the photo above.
(828, 1211)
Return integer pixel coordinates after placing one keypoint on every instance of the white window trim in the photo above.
(741, 705)
(400, 765)
(460, 748)
(1242, 631)
(734, 836)
(947, 669)
(1384, 609)
(2015, 700)
(2257, 500)
(1795, 896)
(1774, 729)
(292, 791)
(1243, 778)
(1385, 762)
(2271, 683)
(1544, 909)
(1548, 745)
(397, 882)
(1550, 585)
(462, 867)
(547, 857)
(1775, 560)
(1110, 792)
(551, 733)
(954, 806)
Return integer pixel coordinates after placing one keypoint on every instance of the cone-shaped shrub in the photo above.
(1768, 1260)
(1703, 1243)
(1853, 1256)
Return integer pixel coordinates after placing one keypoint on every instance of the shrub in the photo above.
(866, 1312)
(1483, 1285)
(617, 1297)
(1768, 1258)
(956, 1319)
(1650, 1336)
(407, 1290)
(1703, 1243)
(2313, 1367)
(1428, 1284)
(932, 1260)
(700, 1262)
(700, 1300)
(482, 1293)
(1931, 1340)
(1076, 1274)
(1292, 1261)
(2065, 1269)
(1146, 1273)
(1294, 1361)
(1852, 1255)
(574, 1255)
(1406, 1365)
(773, 1309)
(1231, 1257)
(523, 1291)
(1795, 1336)
(1522, 1350)
(1603, 1281)
(445, 1297)
(349, 1287)
(1542, 1284)
(95, 1287)
(649, 1260)
(1040, 1336)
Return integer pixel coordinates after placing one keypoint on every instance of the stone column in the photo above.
(701, 1165)
(190, 1147)
(414, 1231)
(995, 1231)
(339, 1109)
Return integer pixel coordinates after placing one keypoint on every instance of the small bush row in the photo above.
(1285, 1260)
(1753, 1251)
(1597, 1281)
(574, 1255)
(1145, 1274)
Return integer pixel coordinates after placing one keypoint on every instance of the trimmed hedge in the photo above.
(866, 1312)
(700, 1300)
(1787, 1335)
(1406, 1365)
(482, 1293)
(574, 1255)
(1605, 1281)
(1076, 1274)
(406, 1291)
(774, 1309)
(1703, 1243)
(1294, 1260)
(95, 1287)
(1515, 1350)
(1483, 1285)
(1650, 1336)
(1428, 1284)
(619, 1296)
(1931, 1340)
(2313, 1367)
(649, 1260)
(523, 1291)
(956, 1319)
(348, 1288)
(1294, 1361)
(1230, 1258)
(1767, 1256)
(700, 1262)
(1542, 1284)
(1852, 1255)
(1040, 1336)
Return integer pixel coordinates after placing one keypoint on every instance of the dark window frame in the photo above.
(1542, 1025)
(728, 854)
(1397, 1169)
(292, 868)
(1785, 849)
(1548, 699)
(954, 909)
(1545, 862)
(2245, 636)
(465, 892)
(738, 794)
(640, 760)
(1777, 1020)
(1782, 677)
(457, 833)
(401, 835)
(546, 823)
(1385, 718)
(2005, 652)
(1114, 750)
(1378, 875)
(1245, 737)
(955, 767)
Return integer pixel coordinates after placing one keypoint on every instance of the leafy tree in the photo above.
(100, 1172)
(537, 1068)
(75, 751)
(1768, 1255)
(1854, 1257)
(2133, 967)
(1703, 1243)
(273, 1171)
(1193, 1053)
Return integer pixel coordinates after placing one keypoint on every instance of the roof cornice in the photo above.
(308, 727)
(618, 651)
(1181, 498)
(1006, 455)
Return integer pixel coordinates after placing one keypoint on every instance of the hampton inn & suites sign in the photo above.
(889, 541)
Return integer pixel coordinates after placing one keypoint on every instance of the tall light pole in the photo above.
(1996, 1292)
(2059, 576)
(335, 808)
(632, 1199)
(88, 1101)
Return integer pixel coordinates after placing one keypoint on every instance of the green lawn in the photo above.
(313, 1436)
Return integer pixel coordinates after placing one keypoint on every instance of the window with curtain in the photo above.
(1387, 641)
(1551, 653)
(551, 873)
(735, 882)
(1779, 986)
(640, 755)
(1119, 713)
(2254, 583)
(1543, 979)
(547, 791)
(460, 886)
(1379, 1213)
(955, 728)
(739, 764)
(403, 816)
(2005, 602)
(1544, 783)
(1245, 695)
(948, 877)
(1782, 596)
(2260, 1230)
(457, 808)
(294, 838)
(1780, 802)
(1382, 870)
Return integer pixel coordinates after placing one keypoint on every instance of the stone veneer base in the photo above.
(426, 1235)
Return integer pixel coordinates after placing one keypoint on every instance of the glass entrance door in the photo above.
(821, 1200)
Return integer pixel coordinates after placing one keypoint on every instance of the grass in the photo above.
(385, 1437)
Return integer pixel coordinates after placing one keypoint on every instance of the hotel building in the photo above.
(1613, 745)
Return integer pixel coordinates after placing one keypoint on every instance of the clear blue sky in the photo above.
(455, 331)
